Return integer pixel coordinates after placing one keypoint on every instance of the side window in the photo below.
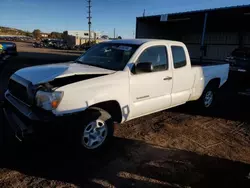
(179, 56)
(157, 55)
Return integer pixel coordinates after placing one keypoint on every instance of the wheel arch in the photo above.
(215, 82)
(112, 107)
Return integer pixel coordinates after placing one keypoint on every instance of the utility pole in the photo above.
(89, 18)
(144, 11)
(114, 33)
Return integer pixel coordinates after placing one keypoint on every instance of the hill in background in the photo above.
(13, 31)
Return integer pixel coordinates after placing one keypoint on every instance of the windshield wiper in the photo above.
(84, 63)
(78, 61)
(89, 64)
(93, 65)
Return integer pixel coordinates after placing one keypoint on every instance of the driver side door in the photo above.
(151, 91)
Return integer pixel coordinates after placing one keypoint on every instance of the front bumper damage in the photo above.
(26, 121)
(21, 130)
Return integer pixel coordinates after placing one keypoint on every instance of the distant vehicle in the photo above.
(239, 60)
(60, 45)
(37, 45)
(113, 81)
(15, 38)
(52, 43)
(8, 48)
(105, 37)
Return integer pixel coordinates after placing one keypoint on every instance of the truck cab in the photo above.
(168, 84)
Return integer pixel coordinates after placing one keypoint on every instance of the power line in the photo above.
(89, 18)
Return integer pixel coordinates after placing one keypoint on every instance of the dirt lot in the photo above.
(180, 147)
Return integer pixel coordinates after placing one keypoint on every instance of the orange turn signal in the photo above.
(54, 104)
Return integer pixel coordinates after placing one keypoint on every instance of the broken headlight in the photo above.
(48, 100)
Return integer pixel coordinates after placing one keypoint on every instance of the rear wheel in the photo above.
(207, 100)
(95, 132)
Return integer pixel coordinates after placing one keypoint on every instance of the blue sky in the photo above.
(60, 15)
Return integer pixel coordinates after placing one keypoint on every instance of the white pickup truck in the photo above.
(114, 81)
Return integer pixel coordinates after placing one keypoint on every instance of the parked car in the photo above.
(37, 45)
(113, 81)
(8, 48)
(61, 45)
(239, 60)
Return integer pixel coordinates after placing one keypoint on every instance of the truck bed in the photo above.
(204, 73)
(206, 62)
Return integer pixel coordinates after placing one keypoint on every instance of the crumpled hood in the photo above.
(46, 73)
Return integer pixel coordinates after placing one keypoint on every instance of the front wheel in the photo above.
(96, 130)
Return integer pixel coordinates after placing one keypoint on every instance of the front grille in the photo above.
(19, 91)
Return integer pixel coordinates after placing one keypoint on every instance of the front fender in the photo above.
(81, 95)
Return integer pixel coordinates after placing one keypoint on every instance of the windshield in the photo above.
(108, 55)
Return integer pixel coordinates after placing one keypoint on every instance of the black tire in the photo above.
(210, 90)
(89, 116)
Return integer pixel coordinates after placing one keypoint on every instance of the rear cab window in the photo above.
(179, 57)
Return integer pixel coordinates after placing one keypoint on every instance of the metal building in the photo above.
(209, 34)
(85, 34)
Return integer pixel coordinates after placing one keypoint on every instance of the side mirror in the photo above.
(144, 67)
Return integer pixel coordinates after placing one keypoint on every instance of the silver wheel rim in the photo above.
(208, 99)
(94, 134)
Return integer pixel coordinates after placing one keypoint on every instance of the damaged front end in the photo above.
(28, 107)
(48, 97)
(58, 82)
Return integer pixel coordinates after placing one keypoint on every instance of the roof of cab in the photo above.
(131, 41)
(137, 41)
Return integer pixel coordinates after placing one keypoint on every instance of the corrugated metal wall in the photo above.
(219, 44)
(223, 34)
(152, 30)
(246, 39)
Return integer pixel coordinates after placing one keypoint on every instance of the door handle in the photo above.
(167, 78)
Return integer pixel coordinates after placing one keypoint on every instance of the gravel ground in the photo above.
(179, 147)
